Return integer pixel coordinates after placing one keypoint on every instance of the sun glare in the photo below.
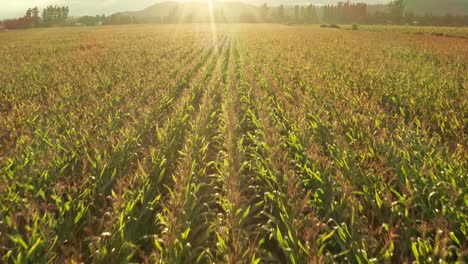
(196, 1)
(212, 19)
(211, 14)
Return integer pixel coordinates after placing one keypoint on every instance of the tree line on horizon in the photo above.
(341, 13)
(51, 16)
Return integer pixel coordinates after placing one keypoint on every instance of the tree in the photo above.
(397, 7)
(55, 15)
(409, 17)
(20, 23)
(302, 14)
(296, 13)
(311, 14)
(281, 13)
(64, 11)
(345, 12)
(264, 12)
(35, 16)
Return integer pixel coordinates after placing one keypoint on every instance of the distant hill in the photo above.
(17, 8)
(420, 7)
(233, 10)
(314, 2)
(196, 11)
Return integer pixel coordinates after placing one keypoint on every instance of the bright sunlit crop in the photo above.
(233, 143)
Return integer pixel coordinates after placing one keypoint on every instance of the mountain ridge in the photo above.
(418, 7)
(88, 7)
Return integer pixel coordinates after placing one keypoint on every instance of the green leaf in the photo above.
(222, 244)
(325, 237)
(378, 200)
(454, 238)
(279, 237)
(302, 247)
(158, 245)
(414, 248)
(33, 248)
(18, 240)
(186, 233)
(244, 215)
(255, 260)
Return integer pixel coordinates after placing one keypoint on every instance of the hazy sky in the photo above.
(17, 8)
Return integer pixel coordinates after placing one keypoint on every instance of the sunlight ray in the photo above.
(212, 20)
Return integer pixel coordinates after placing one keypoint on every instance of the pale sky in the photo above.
(17, 8)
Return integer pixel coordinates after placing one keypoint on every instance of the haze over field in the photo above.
(11, 9)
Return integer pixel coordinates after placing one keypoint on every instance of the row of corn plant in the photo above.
(263, 144)
(375, 193)
(79, 208)
(149, 134)
(240, 204)
(187, 213)
(310, 191)
(40, 188)
(136, 227)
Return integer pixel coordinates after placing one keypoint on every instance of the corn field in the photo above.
(233, 144)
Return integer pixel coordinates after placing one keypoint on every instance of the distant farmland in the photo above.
(233, 144)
